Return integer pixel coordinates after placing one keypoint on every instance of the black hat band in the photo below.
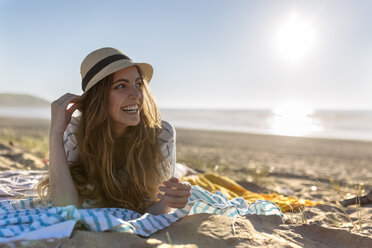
(99, 66)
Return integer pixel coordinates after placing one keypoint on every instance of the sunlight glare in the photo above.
(295, 39)
(294, 120)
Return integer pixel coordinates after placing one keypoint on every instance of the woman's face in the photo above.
(125, 99)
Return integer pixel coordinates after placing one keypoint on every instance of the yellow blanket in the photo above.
(231, 189)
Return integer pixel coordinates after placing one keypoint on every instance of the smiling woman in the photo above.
(118, 152)
(294, 39)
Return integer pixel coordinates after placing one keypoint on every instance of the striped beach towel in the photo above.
(34, 219)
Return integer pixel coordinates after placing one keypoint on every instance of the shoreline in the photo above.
(273, 135)
(25, 122)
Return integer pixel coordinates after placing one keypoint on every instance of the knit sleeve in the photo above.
(167, 143)
(70, 141)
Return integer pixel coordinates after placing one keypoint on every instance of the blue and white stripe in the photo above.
(18, 217)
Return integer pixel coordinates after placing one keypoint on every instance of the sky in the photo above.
(217, 54)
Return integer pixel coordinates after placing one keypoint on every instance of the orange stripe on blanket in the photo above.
(231, 189)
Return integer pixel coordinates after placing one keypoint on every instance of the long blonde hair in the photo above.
(123, 172)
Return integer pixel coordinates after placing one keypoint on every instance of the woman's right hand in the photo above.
(61, 116)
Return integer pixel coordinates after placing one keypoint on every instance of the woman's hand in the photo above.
(176, 193)
(61, 116)
(62, 188)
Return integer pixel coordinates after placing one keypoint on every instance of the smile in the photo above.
(130, 109)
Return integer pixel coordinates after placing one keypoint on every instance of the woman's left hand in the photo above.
(176, 193)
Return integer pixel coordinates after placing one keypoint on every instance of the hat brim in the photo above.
(146, 72)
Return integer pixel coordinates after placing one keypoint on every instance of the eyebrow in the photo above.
(125, 80)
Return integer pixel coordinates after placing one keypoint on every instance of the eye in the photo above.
(120, 86)
(139, 84)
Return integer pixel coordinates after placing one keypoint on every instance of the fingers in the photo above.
(73, 107)
(173, 202)
(61, 115)
(178, 185)
(66, 99)
(174, 179)
(61, 104)
(176, 194)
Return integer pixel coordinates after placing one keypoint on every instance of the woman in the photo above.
(118, 152)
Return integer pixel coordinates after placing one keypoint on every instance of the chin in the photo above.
(132, 123)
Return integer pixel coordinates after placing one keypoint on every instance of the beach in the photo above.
(326, 170)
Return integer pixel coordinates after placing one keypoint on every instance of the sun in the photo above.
(295, 39)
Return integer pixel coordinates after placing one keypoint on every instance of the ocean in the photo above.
(337, 124)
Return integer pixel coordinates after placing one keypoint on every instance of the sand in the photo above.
(316, 169)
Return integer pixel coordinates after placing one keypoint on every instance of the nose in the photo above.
(135, 93)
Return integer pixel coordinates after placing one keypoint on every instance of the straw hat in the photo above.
(105, 61)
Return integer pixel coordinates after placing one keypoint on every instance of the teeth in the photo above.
(130, 108)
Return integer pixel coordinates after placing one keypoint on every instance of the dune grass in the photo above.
(340, 192)
(34, 141)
